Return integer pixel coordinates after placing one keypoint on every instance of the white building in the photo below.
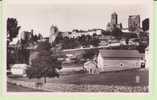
(113, 60)
(19, 69)
(91, 67)
(75, 34)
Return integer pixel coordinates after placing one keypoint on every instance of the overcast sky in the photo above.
(66, 17)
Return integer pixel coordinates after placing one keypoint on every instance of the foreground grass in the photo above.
(120, 81)
(15, 88)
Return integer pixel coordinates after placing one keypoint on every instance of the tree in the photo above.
(43, 64)
(145, 24)
(69, 43)
(39, 36)
(12, 32)
(95, 41)
(82, 40)
(117, 33)
(141, 48)
(12, 28)
(89, 54)
(35, 38)
(27, 39)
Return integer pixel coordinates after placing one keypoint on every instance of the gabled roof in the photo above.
(90, 62)
(20, 66)
(121, 53)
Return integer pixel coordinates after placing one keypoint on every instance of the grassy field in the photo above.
(120, 78)
(119, 81)
(14, 88)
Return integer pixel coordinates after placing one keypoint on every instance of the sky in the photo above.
(40, 16)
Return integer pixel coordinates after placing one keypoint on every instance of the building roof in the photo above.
(121, 53)
(90, 62)
(20, 66)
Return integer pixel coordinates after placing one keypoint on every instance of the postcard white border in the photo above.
(150, 2)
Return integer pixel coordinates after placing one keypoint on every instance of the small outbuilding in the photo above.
(19, 69)
(91, 67)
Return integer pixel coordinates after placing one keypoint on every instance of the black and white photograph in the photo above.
(78, 47)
